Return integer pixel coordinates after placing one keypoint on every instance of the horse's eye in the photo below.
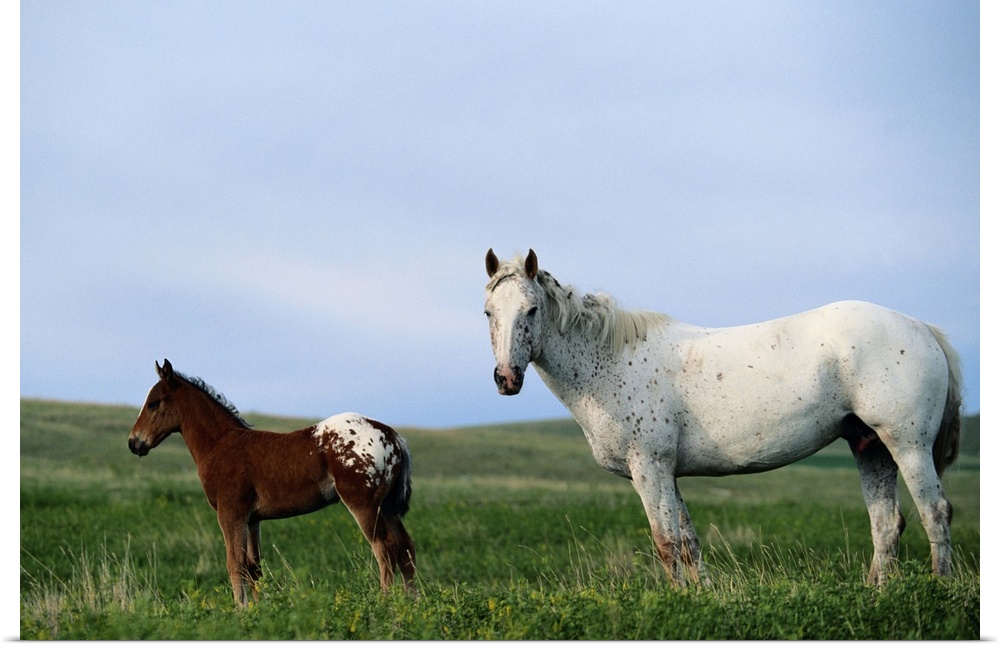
(152, 405)
(488, 314)
(532, 311)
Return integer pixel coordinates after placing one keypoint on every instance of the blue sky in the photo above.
(293, 200)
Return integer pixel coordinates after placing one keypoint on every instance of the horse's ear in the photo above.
(492, 263)
(531, 265)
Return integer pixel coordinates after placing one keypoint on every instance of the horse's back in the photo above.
(848, 332)
(872, 322)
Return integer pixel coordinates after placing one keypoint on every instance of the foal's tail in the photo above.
(946, 443)
(397, 502)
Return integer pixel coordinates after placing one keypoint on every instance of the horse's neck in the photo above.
(570, 363)
(203, 423)
(580, 373)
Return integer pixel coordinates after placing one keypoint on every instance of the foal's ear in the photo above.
(167, 372)
(492, 263)
(531, 265)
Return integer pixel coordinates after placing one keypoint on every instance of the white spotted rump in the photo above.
(359, 444)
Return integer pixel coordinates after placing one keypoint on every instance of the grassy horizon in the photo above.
(519, 535)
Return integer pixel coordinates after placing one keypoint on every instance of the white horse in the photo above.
(658, 399)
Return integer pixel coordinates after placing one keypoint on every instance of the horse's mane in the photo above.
(597, 315)
(219, 399)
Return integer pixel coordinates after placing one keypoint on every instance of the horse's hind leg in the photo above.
(878, 485)
(921, 478)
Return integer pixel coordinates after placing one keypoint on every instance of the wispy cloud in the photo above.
(277, 193)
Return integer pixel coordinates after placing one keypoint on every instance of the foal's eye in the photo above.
(152, 405)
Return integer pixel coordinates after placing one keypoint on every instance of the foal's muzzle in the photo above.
(138, 447)
(509, 382)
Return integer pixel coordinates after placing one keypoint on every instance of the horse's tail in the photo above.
(397, 501)
(946, 443)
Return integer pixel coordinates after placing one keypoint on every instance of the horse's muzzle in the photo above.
(138, 447)
(509, 383)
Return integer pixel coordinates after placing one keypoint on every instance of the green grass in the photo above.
(519, 535)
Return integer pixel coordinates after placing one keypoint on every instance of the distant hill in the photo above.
(969, 440)
(94, 435)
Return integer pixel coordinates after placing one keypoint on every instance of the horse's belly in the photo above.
(755, 413)
(750, 451)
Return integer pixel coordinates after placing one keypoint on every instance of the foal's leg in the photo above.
(878, 485)
(253, 555)
(373, 526)
(379, 539)
(236, 533)
(402, 550)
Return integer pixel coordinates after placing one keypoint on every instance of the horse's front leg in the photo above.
(236, 533)
(690, 546)
(665, 511)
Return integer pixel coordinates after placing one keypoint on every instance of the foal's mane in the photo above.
(597, 315)
(217, 397)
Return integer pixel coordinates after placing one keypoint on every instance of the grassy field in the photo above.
(519, 536)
